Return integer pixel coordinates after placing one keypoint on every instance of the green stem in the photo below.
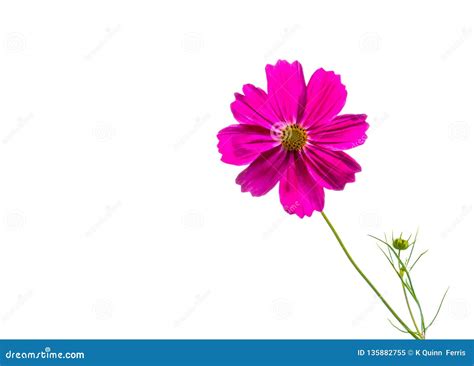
(400, 269)
(409, 310)
(413, 334)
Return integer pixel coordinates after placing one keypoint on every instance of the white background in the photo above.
(118, 219)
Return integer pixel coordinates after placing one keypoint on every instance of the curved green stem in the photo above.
(412, 333)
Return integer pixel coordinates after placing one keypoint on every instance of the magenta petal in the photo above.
(241, 144)
(342, 132)
(300, 193)
(331, 169)
(253, 107)
(287, 90)
(325, 97)
(264, 173)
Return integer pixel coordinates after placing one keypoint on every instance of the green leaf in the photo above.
(417, 259)
(397, 328)
(439, 308)
(412, 246)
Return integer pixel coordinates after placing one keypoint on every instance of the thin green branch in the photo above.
(410, 283)
(412, 246)
(409, 307)
(397, 328)
(410, 311)
(417, 259)
(439, 308)
(400, 263)
(386, 256)
(336, 235)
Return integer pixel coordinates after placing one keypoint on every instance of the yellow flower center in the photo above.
(293, 137)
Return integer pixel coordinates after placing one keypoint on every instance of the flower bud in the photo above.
(400, 244)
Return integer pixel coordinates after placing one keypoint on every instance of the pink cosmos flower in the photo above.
(293, 135)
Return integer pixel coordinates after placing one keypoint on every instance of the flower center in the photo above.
(293, 137)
